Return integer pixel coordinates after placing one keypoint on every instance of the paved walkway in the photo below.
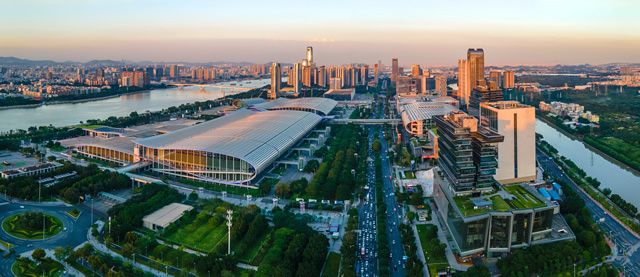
(102, 248)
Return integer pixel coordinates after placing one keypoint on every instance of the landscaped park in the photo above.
(32, 225)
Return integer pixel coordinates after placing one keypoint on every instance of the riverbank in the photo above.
(75, 101)
(592, 147)
(617, 213)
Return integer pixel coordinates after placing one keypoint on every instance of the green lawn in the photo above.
(499, 204)
(26, 268)
(201, 237)
(433, 249)
(332, 265)
(523, 199)
(408, 174)
(75, 213)
(15, 226)
(466, 206)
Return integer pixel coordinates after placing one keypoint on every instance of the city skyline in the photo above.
(433, 33)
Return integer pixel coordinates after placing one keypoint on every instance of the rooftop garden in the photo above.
(522, 199)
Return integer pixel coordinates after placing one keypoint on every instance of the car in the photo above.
(21, 207)
(64, 229)
(394, 242)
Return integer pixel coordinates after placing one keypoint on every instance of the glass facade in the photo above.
(499, 234)
(198, 165)
(105, 154)
(468, 235)
(520, 230)
(542, 220)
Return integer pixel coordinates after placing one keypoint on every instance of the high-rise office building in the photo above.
(133, 79)
(441, 85)
(496, 77)
(376, 72)
(159, 73)
(517, 153)
(416, 70)
(464, 83)
(174, 71)
(475, 58)
(467, 151)
(276, 78)
(509, 80)
(309, 56)
(364, 74)
(297, 77)
(322, 76)
(483, 93)
(394, 70)
(424, 84)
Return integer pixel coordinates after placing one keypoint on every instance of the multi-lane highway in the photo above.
(392, 214)
(367, 264)
(627, 258)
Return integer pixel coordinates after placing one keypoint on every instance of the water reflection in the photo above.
(155, 100)
(620, 180)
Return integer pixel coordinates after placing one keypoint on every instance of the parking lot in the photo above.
(12, 160)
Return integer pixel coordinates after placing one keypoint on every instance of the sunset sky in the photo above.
(425, 32)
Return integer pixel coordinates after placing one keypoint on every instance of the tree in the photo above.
(193, 196)
(606, 191)
(38, 254)
(376, 146)
(283, 190)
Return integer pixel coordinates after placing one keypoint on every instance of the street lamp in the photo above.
(229, 218)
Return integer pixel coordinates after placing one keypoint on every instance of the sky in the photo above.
(534, 32)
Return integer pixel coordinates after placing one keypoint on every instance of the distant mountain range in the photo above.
(27, 62)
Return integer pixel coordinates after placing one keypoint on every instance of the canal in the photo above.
(153, 100)
(611, 175)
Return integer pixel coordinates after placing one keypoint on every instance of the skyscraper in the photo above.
(394, 70)
(464, 83)
(174, 71)
(309, 56)
(495, 76)
(475, 58)
(481, 94)
(276, 78)
(322, 76)
(441, 85)
(416, 70)
(517, 153)
(297, 77)
(509, 80)
(467, 151)
(376, 72)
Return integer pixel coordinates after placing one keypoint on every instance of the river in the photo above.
(620, 180)
(152, 100)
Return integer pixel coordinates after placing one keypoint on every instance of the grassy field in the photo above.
(28, 268)
(250, 256)
(408, 174)
(13, 226)
(433, 251)
(199, 236)
(332, 265)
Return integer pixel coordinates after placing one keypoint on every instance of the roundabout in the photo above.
(69, 230)
(32, 225)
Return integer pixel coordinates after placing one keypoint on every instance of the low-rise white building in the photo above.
(163, 217)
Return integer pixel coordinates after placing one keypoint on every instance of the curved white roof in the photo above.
(423, 110)
(317, 104)
(257, 137)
